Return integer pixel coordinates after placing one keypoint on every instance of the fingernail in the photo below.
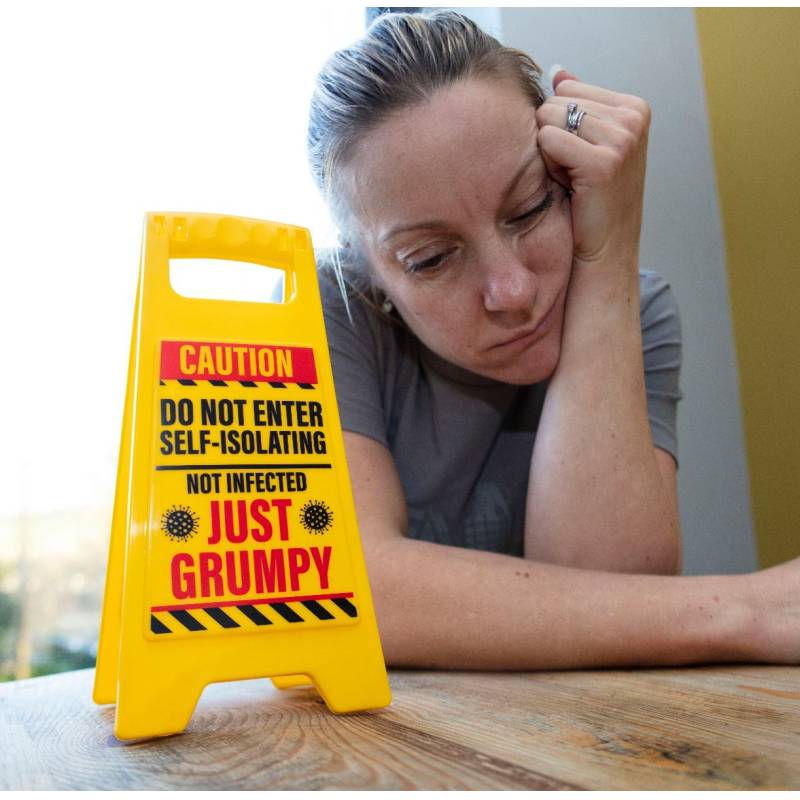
(554, 70)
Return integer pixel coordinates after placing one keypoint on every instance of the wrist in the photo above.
(610, 274)
(602, 297)
(619, 254)
(769, 638)
(737, 603)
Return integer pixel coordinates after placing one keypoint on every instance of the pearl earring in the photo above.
(387, 306)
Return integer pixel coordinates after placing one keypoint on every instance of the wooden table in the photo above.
(699, 728)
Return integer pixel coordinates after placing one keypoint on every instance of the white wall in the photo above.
(653, 53)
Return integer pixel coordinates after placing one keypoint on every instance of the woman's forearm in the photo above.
(596, 497)
(447, 607)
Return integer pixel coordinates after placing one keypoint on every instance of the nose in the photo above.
(509, 285)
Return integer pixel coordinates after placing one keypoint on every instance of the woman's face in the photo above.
(465, 231)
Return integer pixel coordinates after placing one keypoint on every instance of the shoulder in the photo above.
(371, 355)
(352, 308)
(344, 291)
(655, 292)
(336, 295)
(660, 314)
(350, 319)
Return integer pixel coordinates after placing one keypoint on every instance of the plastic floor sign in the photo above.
(234, 546)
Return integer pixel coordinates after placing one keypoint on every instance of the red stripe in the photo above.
(188, 360)
(260, 601)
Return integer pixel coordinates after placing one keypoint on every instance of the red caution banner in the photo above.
(227, 361)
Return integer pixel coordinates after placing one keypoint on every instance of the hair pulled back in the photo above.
(400, 61)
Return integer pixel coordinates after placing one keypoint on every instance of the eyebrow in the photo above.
(435, 223)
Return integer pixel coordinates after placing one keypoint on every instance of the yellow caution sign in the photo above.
(234, 547)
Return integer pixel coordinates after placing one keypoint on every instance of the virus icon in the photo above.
(316, 517)
(179, 523)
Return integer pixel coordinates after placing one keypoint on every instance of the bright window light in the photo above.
(220, 279)
(111, 110)
(115, 110)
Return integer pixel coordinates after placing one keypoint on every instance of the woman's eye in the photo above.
(428, 264)
(534, 212)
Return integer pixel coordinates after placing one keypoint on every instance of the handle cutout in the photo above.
(221, 279)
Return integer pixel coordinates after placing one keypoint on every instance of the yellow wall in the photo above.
(751, 63)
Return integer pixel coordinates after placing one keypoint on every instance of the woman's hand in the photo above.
(774, 596)
(603, 165)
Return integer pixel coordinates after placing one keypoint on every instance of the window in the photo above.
(117, 111)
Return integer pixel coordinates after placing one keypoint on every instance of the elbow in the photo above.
(677, 567)
(388, 575)
(676, 545)
(670, 564)
(669, 558)
(393, 577)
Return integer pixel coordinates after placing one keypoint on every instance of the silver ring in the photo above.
(574, 118)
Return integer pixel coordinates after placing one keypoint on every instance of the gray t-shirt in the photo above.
(463, 443)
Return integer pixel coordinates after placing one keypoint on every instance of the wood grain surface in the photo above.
(699, 728)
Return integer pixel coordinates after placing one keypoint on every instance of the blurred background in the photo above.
(112, 110)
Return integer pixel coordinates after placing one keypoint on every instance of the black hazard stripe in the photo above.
(246, 384)
(346, 606)
(157, 626)
(184, 617)
(286, 612)
(320, 612)
(252, 615)
(218, 615)
(188, 621)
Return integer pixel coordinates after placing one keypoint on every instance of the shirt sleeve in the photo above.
(661, 347)
(353, 342)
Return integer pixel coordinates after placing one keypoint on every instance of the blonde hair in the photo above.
(400, 62)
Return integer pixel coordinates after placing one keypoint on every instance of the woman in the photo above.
(486, 327)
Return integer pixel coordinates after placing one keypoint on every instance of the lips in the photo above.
(528, 335)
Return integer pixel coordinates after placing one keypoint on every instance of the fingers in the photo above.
(636, 119)
(594, 107)
(558, 74)
(604, 164)
(567, 86)
(563, 148)
(558, 173)
(586, 91)
(613, 119)
(613, 129)
(600, 124)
